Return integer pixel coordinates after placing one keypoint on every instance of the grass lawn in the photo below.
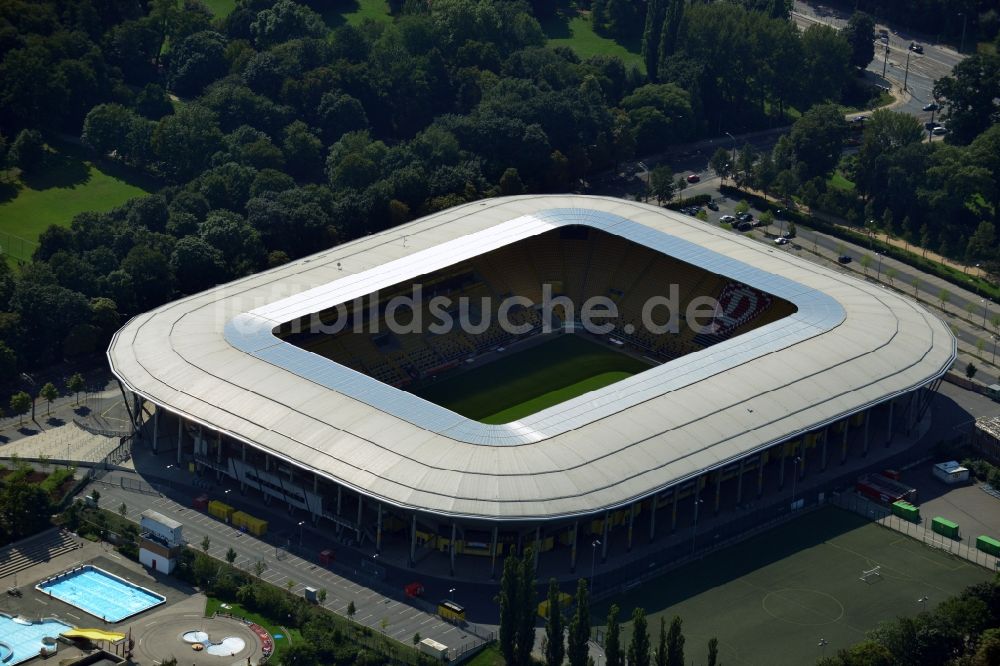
(531, 380)
(220, 8)
(354, 12)
(488, 657)
(770, 599)
(71, 184)
(838, 181)
(287, 637)
(572, 29)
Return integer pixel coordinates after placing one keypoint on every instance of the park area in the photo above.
(69, 184)
(531, 380)
(793, 594)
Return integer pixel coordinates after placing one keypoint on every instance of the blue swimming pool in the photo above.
(100, 593)
(21, 639)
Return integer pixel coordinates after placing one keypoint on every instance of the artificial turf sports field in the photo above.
(770, 600)
(528, 381)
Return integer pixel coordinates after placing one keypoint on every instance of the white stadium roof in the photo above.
(213, 358)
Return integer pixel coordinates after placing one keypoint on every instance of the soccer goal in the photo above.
(871, 575)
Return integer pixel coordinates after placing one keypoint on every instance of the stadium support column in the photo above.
(451, 550)
(538, 544)
(868, 414)
(340, 493)
(604, 539)
(243, 455)
(413, 536)
(361, 505)
(888, 439)
(673, 510)
(493, 555)
(760, 475)
(843, 443)
(180, 437)
(218, 455)
(825, 435)
(631, 525)
(378, 531)
(572, 551)
(800, 466)
(781, 469)
(739, 482)
(156, 426)
(652, 517)
(718, 490)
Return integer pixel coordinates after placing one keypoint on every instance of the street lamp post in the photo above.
(451, 594)
(301, 523)
(961, 47)
(885, 62)
(994, 350)
(985, 310)
(593, 561)
(878, 277)
(732, 160)
(906, 74)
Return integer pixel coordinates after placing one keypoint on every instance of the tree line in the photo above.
(569, 641)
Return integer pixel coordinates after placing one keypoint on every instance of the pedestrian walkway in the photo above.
(64, 443)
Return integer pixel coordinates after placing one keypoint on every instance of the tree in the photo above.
(579, 627)
(826, 64)
(416, 639)
(231, 555)
(509, 587)
(555, 647)
(20, 403)
(322, 595)
(50, 393)
(205, 544)
(860, 34)
(720, 162)
(669, 36)
(970, 96)
(76, 384)
(106, 127)
(891, 274)
(196, 265)
(526, 602)
(25, 508)
(943, 297)
(713, 651)
(656, 13)
(661, 184)
(186, 140)
(660, 656)
(96, 495)
(866, 262)
(28, 152)
(351, 610)
(123, 510)
(638, 646)
(510, 182)
(817, 139)
(612, 639)
(196, 61)
(970, 370)
(675, 643)
(284, 21)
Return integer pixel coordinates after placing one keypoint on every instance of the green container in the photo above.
(945, 527)
(988, 545)
(906, 511)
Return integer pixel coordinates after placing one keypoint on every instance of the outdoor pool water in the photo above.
(21, 640)
(103, 595)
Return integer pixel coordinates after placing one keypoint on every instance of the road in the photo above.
(936, 62)
(969, 328)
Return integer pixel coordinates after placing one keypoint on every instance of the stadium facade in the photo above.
(801, 361)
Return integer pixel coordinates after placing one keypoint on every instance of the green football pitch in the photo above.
(528, 381)
(770, 600)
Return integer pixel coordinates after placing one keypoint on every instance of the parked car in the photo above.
(781, 240)
(713, 205)
(745, 217)
(744, 226)
(939, 131)
(727, 219)
(933, 106)
(916, 48)
(693, 178)
(859, 119)
(844, 259)
(930, 125)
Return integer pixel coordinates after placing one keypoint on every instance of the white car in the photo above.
(727, 219)
(781, 240)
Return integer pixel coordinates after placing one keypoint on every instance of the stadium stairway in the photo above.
(39, 548)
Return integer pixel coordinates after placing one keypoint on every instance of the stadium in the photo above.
(612, 362)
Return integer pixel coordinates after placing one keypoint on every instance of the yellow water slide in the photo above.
(94, 634)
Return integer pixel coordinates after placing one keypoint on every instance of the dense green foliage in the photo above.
(517, 609)
(279, 135)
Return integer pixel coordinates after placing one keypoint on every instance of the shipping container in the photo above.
(255, 526)
(220, 510)
(326, 557)
(452, 612)
(431, 647)
(988, 545)
(883, 489)
(200, 503)
(945, 527)
(906, 511)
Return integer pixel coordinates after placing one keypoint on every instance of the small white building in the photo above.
(160, 541)
(431, 647)
(951, 472)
